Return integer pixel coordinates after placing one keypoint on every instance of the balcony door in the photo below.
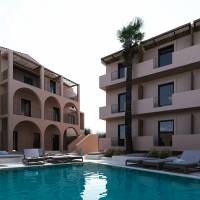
(52, 86)
(26, 107)
(165, 56)
(165, 132)
(55, 142)
(165, 92)
(56, 114)
(121, 134)
(121, 70)
(122, 102)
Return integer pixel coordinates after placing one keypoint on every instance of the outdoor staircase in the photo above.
(84, 144)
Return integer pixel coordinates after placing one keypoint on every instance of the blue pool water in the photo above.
(92, 182)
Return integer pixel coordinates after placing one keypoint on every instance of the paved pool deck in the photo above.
(116, 161)
(119, 161)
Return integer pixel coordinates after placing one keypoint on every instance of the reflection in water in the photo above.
(95, 186)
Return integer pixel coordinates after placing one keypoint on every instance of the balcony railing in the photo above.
(157, 103)
(115, 75)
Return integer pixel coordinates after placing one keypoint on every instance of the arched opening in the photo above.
(70, 134)
(52, 138)
(70, 114)
(52, 109)
(26, 135)
(27, 103)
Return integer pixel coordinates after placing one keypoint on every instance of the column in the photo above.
(10, 101)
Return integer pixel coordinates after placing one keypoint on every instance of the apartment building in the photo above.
(38, 108)
(165, 93)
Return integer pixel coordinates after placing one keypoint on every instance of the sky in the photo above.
(70, 37)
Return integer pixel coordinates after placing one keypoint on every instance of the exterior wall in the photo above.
(183, 72)
(16, 89)
(88, 144)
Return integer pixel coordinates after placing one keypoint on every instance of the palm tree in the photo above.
(130, 36)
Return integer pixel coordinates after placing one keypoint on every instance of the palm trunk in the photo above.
(128, 113)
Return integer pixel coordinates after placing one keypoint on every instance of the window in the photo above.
(26, 107)
(52, 86)
(122, 102)
(121, 70)
(165, 93)
(165, 132)
(121, 134)
(28, 80)
(165, 56)
(56, 114)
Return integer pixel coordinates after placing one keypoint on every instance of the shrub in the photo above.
(87, 131)
(165, 154)
(109, 153)
(112, 152)
(153, 153)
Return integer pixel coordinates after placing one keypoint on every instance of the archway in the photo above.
(26, 135)
(52, 109)
(26, 102)
(52, 138)
(70, 134)
(70, 114)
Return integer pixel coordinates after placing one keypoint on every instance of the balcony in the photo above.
(4, 104)
(143, 143)
(109, 112)
(179, 101)
(112, 80)
(4, 75)
(181, 60)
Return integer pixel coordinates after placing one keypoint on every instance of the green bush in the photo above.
(87, 131)
(112, 152)
(109, 153)
(165, 154)
(153, 153)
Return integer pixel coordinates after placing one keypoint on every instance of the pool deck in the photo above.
(116, 161)
(119, 161)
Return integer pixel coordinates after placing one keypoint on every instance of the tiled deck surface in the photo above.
(117, 161)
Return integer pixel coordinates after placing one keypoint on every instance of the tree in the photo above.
(130, 36)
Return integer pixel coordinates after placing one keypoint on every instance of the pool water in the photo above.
(92, 182)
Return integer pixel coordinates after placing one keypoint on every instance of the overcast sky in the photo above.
(70, 37)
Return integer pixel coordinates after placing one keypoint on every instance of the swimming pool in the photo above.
(92, 182)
